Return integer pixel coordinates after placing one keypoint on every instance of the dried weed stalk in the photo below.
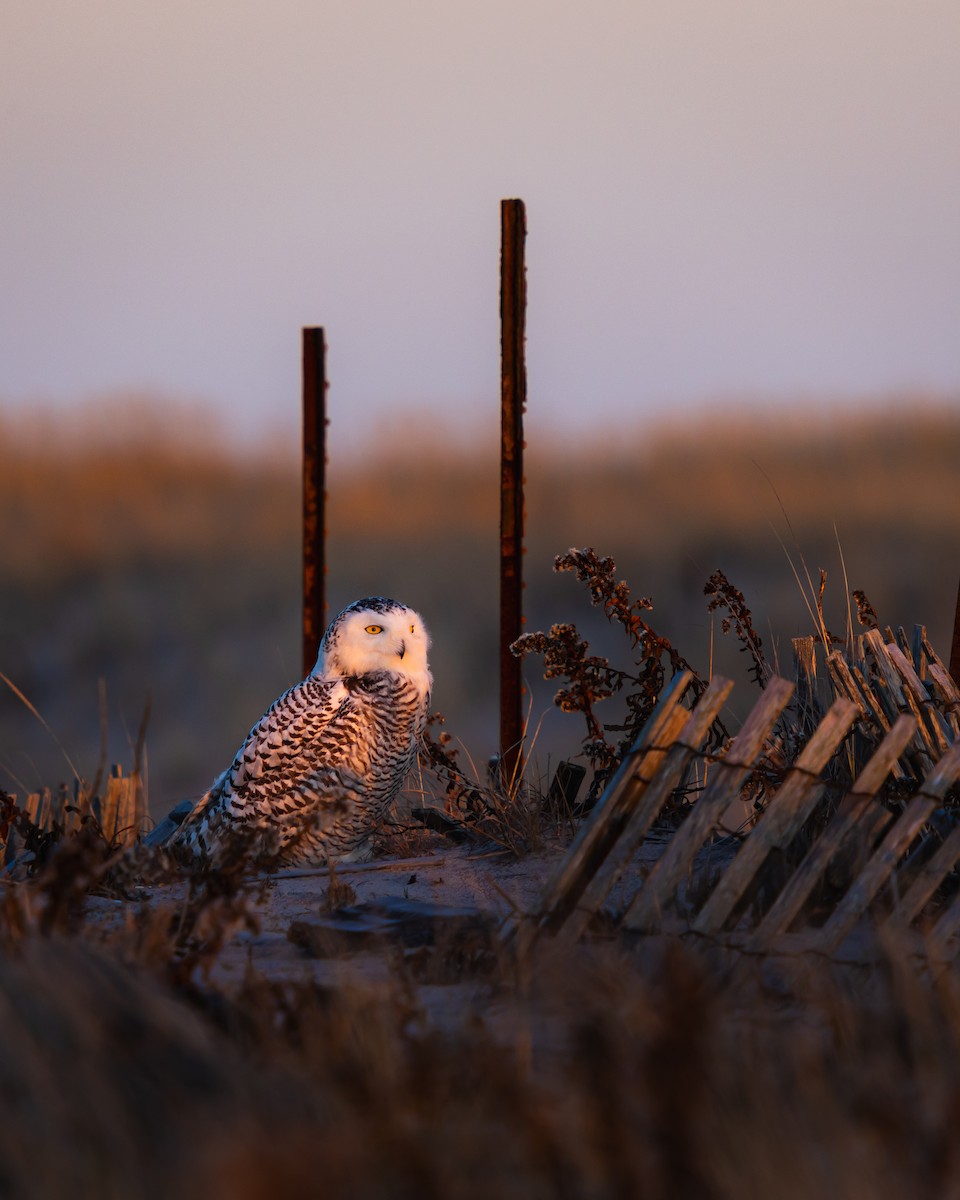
(507, 812)
(723, 595)
(866, 613)
(590, 677)
(462, 798)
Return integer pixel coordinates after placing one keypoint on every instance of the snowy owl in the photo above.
(321, 766)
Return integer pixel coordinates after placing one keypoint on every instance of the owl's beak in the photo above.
(403, 649)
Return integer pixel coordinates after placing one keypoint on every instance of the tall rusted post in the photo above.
(955, 645)
(314, 493)
(513, 395)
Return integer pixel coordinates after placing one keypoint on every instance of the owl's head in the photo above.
(376, 634)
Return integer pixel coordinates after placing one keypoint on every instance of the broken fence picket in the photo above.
(121, 811)
(903, 711)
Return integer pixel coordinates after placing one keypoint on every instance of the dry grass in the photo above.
(648, 1068)
(662, 1069)
(165, 566)
(127, 487)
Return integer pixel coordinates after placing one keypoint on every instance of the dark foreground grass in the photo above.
(647, 1070)
(638, 1067)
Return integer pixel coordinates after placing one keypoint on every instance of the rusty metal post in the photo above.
(955, 645)
(314, 493)
(513, 395)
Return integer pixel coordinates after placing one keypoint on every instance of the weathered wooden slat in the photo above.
(918, 702)
(128, 816)
(730, 771)
(916, 650)
(908, 675)
(895, 697)
(82, 801)
(887, 695)
(31, 806)
(937, 721)
(949, 694)
(928, 879)
(845, 684)
(582, 863)
(791, 900)
(849, 680)
(641, 818)
(919, 693)
(872, 701)
(109, 806)
(70, 800)
(809, 710)
(878, 870)
(784, 816)
(945, 683)
(58, 800)
(44, 810)
(595, 837)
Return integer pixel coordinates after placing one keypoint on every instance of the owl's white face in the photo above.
(376, 635)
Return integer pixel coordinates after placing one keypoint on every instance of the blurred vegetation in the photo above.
(139, 551)
(605, 1073)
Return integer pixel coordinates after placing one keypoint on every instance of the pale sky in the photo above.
(724, 199)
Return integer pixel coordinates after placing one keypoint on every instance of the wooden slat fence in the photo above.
(121, 811)
(847, 825)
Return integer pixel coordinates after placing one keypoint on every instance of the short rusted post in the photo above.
(955, 645)
(314, 493)
(513, 395)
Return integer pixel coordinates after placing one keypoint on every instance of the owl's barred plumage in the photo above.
(320, 768)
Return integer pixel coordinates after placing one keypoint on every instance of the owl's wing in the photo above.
(302, 740)
(296, 759)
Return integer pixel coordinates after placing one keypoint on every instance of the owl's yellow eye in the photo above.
(411, 629)
(374, 629)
